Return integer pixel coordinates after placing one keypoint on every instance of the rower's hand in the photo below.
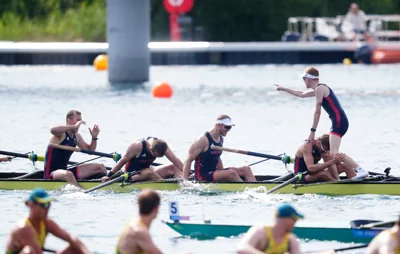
(4, 159)
(279, 87)
(339, 157)
(78, 124)
(311, 137)
(95, 131)
(105, 179)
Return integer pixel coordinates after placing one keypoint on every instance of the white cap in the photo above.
(226, 121)
(306, 75)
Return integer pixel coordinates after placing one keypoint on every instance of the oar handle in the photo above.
(285, 159)
(31, 156)
(115, 156)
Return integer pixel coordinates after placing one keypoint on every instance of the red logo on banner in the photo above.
(178, 6)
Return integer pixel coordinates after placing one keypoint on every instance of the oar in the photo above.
(377, 224)
(49, 250)
(292, 180)
(254, 163)
(340, 249)
(285, 159)
(115, 156)
(31, 156)
(124, 177)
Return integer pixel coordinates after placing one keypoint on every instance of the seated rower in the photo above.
(277, 239)
(310, 153)
(136, 238)
(56, 160)
(387, 241)
(30, 234)
(141, 154)
(208, 164)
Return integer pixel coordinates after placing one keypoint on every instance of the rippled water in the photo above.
(35, 98)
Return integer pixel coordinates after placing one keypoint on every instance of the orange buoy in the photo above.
(101, 62)
(162, 90)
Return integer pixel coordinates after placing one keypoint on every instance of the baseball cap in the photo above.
(288, 211)
(39, 195)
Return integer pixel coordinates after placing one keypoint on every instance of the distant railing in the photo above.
(336, 29)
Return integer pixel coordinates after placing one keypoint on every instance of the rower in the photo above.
(277, 239)
(387, 241)
(56, 160)
(30, 234)
(141, 154)
(326, 98)
(208, 164)
(4, 159)
(310, 153)
(135, 237)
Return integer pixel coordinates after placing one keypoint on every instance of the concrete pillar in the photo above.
(128, 35)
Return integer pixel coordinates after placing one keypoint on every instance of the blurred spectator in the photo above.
(355, 23)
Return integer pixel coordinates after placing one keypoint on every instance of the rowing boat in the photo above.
(378, 184)
(346, 235)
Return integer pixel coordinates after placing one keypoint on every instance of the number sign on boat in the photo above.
(174, 212)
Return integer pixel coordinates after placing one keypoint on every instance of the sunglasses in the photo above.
(43, 205)
(227, 127)
(304, 78)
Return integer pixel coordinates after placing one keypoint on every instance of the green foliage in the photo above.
(222, 20)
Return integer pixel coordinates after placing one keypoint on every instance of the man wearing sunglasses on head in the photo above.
(208, 164)
(326, 98)
(139, 157)
(310, 153)
(30, 234)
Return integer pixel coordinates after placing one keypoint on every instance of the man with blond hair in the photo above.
(56, 159)
(326, 98)
(139, 157)
(208, 164)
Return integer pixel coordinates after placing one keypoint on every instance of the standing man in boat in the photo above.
(141, 154)
(277, 239)
(30, 234)
(208, 164)
(56, 160)
(310, 153)
(135, 238)
(387, 241)
(326, 98)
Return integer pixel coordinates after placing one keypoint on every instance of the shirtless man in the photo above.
(386, 242)
(135, 238)
(208, 165)
(56, 160)
(141, 154)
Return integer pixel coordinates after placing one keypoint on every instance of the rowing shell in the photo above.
(344, 235)
(379, 184)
